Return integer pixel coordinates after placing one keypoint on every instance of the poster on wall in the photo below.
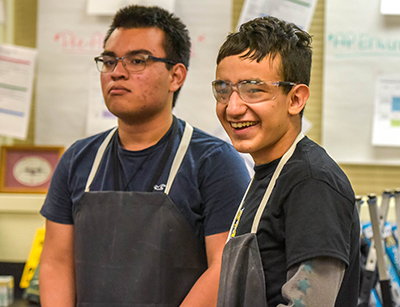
(109, 7)
(98, 117)
(361, 45)
(386, 126)
(67, 107)
(17, 66)
(296, 11)
(390, 7)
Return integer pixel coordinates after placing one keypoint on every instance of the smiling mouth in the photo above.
(242, 125)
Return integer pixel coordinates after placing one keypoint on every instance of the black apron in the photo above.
(134, 248)
(242, 281)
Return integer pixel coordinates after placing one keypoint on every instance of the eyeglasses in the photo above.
(250, 91)
(131, 62)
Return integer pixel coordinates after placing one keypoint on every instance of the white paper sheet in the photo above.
(109, 7)
(98, 117)
(299, 12)
(209, 22)
(16, 81)
(361, 44)
(65, 60)
(386, 128)
(390, 7)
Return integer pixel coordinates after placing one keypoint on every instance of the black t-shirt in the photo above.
(311, 212)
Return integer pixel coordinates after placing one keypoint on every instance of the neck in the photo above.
(277, 150)
(141, 135)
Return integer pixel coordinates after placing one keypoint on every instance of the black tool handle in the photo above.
(386, 293)
(367, 284)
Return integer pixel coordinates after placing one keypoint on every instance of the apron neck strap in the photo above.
(166, 154)
(97, 159)
(184, 144)
(180, 154)
(271, 184)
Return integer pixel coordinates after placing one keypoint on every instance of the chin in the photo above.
(240, 147)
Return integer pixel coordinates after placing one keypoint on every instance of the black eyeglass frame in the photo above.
(145, 56)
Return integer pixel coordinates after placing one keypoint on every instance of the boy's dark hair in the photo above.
(177, 41)
(270, 36)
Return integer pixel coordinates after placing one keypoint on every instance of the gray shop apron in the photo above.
(242, 281)
(134, 248)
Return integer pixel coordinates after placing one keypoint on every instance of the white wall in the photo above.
(19, 219)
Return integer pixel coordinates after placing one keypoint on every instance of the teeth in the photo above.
(243, 125)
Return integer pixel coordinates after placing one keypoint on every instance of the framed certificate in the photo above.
(27, 169)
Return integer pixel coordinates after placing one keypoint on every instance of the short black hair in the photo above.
(270, 36)
(177, 43)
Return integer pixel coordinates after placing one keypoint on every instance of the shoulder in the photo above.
(208, 147)
(310, 161)
(206, 144)
(80, 155)
(209, 154)
(87, 145)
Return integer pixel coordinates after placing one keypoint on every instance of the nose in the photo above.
(120, 71)
(236, 106)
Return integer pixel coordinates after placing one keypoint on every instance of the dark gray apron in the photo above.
(134, 248)
(242, 281)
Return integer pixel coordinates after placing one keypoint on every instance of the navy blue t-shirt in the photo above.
(207, 189)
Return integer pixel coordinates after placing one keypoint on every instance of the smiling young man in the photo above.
(295, 238)
(139, 215)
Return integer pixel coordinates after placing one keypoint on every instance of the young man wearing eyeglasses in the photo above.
(139, 216)
(295, 238)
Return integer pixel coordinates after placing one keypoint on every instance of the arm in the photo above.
(314, 283)
(57, 274)
(205, 290)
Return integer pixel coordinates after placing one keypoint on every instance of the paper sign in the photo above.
(390, 7)
(386, 127)
(109, 7)
(99, 118)
(16, 81)
(360, 45)
(299, 12)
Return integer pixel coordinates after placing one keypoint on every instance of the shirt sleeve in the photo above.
(318, 222)
(223, 181)
(313, 283)
(58, 204)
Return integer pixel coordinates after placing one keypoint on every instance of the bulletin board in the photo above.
(68, 80)
(361, 46)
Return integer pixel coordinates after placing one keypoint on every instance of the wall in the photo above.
(19, 219)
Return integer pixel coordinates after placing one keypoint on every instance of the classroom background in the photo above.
(19, 217)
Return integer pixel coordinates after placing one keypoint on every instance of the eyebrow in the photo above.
(132, 52)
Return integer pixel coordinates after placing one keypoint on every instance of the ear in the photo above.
(298, 98)
(178, 75)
